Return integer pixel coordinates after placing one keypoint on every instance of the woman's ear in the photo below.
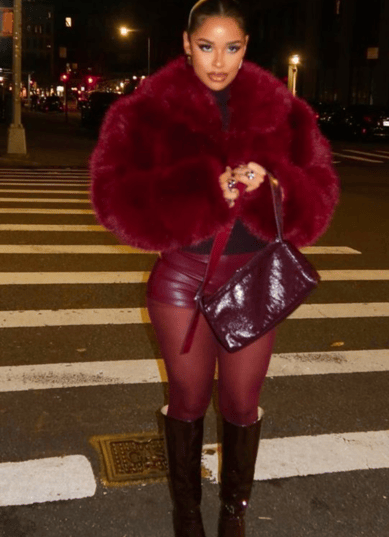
(187, 46)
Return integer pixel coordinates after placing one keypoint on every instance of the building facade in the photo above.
(343, 45)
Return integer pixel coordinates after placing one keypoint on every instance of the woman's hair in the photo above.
(216, 8)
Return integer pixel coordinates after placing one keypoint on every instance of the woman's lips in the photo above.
(217, 77)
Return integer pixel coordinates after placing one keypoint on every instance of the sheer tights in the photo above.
(191, 375)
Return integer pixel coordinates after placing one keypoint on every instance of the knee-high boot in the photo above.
(239, 453)
(184, 441)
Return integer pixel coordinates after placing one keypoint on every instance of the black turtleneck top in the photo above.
(240, 241)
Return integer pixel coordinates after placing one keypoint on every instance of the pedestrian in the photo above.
(164, 177)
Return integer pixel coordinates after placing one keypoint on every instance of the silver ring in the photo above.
(231, 184)
(250, 175)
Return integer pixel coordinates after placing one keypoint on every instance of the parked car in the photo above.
(95, 107)
(329, 116)
(50, 104)
(365, 122)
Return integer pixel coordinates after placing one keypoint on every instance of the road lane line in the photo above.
(122, 249)
(109, 373)
(364, 153)
(353, 275)
(56, 228)
(120, 316)
(24, 210)
(312, 455)
(46, 480)
(44, 200)
(384, 152)
(63, 278)
(358, 158)
(46, 191)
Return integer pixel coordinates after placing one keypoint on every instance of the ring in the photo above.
(250, 175)
(231, 184)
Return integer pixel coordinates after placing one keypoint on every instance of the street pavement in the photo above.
(79, 359)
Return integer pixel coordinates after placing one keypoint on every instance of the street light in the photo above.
(294, 61)
(124, 31)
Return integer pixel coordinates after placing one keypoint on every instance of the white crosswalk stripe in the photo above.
(370, 156)
(302, 455)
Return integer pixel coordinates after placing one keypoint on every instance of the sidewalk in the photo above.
(51, 141)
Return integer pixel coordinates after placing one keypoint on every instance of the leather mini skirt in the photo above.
(177, 275)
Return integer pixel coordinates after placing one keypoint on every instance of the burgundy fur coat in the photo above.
(160, 153)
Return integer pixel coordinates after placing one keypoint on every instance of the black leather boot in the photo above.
(184, 440)
(239, 453)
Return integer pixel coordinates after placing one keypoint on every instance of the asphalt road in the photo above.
(79, 359)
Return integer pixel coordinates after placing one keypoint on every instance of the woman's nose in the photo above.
(218, 59)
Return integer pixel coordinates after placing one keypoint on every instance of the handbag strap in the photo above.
(218, 247)
(276, 194)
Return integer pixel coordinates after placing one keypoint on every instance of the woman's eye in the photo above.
(205, 48)
(234, 48)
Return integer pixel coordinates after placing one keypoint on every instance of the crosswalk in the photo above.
(73, 316)
(359, 156)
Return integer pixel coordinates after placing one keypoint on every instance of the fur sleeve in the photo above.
(149, 194)
(309, 182)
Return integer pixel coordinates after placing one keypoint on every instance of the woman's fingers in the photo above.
(228, 186)
(251, 175)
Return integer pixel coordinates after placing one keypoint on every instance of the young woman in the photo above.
(164, 175)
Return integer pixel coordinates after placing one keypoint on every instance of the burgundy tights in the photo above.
(191, 375)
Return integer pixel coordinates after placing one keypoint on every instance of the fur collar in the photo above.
(259, 102)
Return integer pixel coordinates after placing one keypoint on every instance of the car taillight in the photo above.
(368, 119)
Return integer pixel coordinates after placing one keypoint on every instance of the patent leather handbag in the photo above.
(260, 294)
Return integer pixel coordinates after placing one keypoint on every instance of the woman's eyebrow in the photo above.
(238, 41)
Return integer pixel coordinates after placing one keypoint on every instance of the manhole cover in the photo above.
(131, 459)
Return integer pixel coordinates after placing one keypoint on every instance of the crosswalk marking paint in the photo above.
(44, 183)
(358, 158)
(120, 316)
(57, 228)
(62, 278)
(89, 374)
(354, 275)
(122, 249)
(46, 480)
(46, 191)
(44, 200)
(312, 455)
(364, 153)
(45, 211)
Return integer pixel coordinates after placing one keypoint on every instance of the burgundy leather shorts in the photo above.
(176, 276)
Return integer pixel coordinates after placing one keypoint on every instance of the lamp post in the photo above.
(292, 72)
(16, 135)
(124, 31)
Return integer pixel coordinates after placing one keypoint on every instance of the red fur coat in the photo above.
(161, 151)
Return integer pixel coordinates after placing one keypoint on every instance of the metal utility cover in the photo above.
(131, 458)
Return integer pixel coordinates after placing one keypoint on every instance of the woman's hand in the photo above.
(228, 186)
(252, 175)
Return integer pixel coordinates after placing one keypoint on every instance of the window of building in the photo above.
(68, 22)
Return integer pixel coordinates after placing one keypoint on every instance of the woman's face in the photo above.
(217, 49)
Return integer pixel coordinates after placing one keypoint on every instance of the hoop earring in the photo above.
(188, 59)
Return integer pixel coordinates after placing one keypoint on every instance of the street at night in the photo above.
(96, 131)
(80, 360)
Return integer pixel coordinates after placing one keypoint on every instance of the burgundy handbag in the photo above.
(260, 295)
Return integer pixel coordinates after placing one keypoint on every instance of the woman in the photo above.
(165, 175)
